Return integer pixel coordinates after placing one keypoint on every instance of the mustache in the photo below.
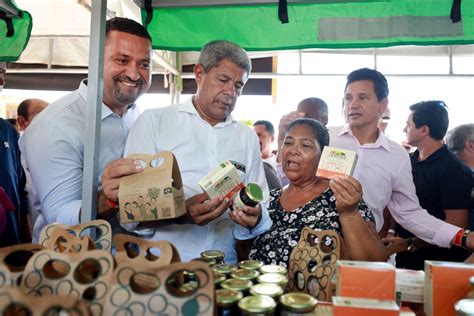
(129, 80)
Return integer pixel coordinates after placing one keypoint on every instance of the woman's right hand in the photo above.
(348, 193)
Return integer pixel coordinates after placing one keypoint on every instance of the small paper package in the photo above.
(445, 284)
(375, 280)
(222, 181)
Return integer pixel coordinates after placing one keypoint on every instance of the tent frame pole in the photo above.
(95, 85)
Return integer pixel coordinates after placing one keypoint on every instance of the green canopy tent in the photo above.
(182, 25)
(15, 30)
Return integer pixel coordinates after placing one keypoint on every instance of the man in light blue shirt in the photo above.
(53, 144)
(202, 133)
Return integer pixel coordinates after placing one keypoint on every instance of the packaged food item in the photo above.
(336, 161)
(223, 181)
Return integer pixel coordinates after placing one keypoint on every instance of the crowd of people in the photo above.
(417, 205)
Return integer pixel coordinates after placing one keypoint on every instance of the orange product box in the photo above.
(364, 279)
(336, 161)
(445, 284)
(352, 306)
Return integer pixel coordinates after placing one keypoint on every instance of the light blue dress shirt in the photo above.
(53, 146)
(199, 148)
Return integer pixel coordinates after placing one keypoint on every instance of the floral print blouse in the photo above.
(275, 245)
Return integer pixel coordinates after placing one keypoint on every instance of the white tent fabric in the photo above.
(61, 29)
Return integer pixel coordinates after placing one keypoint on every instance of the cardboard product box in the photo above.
(336, 161)
(445, 284)
(410, 285)
(375, 280)
(222, 181)
(351, 306)
(155, 193)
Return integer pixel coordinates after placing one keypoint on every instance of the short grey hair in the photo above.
(458, 136)
(215, 51)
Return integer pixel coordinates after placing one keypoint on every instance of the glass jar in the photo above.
(257, 305)
(218, 279)
(249, 195)
(209, 261)
(297, 304)
(245, 274)
(272, 268)
(250, 264)
(269, 289)
(217, 255)
(274, 278)
(226, 301)
(224, 268)
(237, 285)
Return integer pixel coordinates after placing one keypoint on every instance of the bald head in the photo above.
(27, 110)
(314, 108)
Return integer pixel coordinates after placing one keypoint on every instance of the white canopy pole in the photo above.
(95, 85)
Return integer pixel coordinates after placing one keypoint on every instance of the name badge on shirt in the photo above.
(239, 166)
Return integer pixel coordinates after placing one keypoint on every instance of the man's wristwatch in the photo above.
(411, 244)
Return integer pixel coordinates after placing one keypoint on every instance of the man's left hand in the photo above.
(248, 217)
(395, 245)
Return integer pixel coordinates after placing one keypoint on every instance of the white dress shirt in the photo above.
(199, 148)
(384, 170)
(53, 146)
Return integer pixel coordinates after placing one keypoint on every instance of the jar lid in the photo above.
(213, 254)
(275, 278)
(236, 284)
(299, 302)
(224, 268)
(227, 297)
(257, 304)
(209, 261)
(471, 280)
(270, 289)
(250, 264)
(245, 274)
(218, 277)
(272, 268)
(254, 192)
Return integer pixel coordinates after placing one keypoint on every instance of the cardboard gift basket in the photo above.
(155, 193)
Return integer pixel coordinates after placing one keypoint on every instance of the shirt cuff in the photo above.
(445, 235)
(242, 233)
(69, 213)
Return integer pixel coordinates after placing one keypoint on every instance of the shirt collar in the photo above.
(381, 141)
(434, 156)
(106, 111)
(189, 107)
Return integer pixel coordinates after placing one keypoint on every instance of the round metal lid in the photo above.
(272, 268)
(250, 264)
(213, 254)
(236, 284)
(298, 301)
(245, 274)
(257, 304)
(269, 289)
(275, 278)
(227, 297)
(224, 268)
